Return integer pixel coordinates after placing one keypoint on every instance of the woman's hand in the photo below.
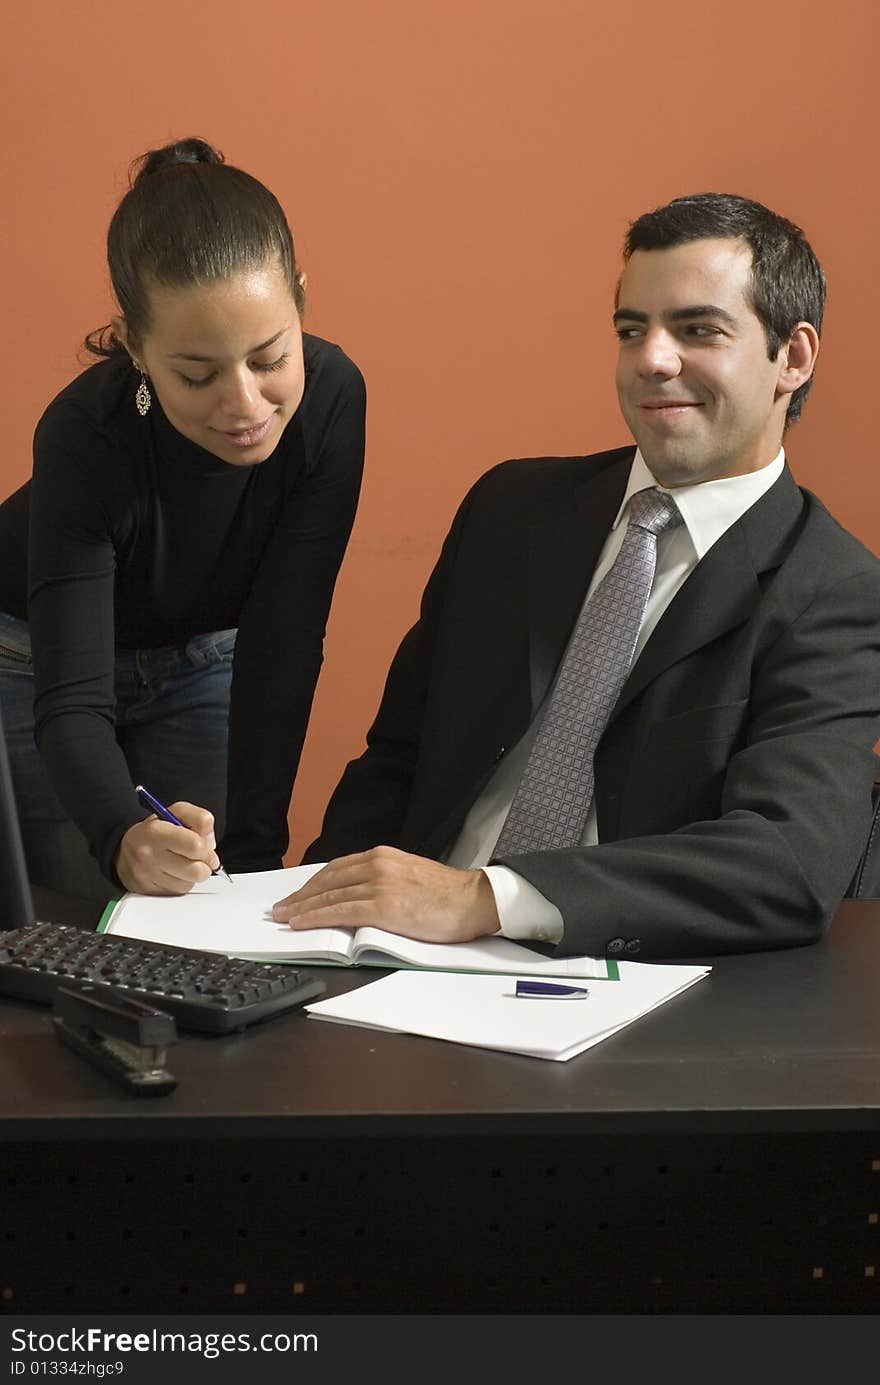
(156, 857)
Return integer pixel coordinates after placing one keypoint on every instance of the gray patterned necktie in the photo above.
(550, 806)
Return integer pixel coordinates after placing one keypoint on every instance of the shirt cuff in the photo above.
(525, 913)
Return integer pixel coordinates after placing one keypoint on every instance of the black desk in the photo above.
(719, 1155)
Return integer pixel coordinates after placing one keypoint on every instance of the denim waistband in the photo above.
(15, 636)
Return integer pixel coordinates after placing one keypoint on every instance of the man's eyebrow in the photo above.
(208, 360)
(679, 314)
(704, 310)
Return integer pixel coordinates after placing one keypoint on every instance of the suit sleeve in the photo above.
(771, 868)
(370, 803)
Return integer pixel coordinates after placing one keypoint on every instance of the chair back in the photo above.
(865, 883)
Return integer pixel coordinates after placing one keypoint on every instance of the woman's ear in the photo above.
(299, 292)
(120, 332)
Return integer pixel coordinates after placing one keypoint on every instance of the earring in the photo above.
(142, 398)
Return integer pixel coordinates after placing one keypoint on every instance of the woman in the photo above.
(169, 567)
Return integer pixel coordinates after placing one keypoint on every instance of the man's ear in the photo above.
(797, 358)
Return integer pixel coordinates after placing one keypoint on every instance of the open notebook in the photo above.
(237, 920)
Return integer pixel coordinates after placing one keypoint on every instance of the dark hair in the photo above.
(788, 285)
(189, 218)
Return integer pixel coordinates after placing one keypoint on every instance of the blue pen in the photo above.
(149, 801)
(549, 990)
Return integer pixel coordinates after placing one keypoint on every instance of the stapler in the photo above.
(117, 1034)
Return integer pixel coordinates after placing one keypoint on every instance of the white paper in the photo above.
(483, 1010)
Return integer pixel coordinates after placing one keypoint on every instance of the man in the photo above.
(679, 764)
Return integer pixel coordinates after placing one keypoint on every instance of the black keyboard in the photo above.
(202, 990)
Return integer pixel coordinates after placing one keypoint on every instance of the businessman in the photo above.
(636, 715)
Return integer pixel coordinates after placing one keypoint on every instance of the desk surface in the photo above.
(785, 1041)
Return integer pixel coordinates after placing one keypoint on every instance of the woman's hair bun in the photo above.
(182, 151)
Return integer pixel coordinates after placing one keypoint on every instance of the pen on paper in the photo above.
(549, 990)
(150, 801)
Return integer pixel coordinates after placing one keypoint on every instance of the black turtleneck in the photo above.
(130, 535)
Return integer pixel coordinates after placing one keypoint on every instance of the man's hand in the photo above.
(156, 857)
(390, 889)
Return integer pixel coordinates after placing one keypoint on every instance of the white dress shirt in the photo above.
(707, 510)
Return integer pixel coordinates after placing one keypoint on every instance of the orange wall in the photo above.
(458, 177)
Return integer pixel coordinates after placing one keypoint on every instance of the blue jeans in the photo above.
(172, 711)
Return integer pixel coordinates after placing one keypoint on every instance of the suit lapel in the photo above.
(723, 589)
(565, 548)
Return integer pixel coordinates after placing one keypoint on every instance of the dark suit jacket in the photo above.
(733, 780)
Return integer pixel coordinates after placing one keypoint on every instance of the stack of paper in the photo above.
(459, 991)
(485, 1012)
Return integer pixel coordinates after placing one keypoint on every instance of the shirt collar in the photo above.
(708, 508)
